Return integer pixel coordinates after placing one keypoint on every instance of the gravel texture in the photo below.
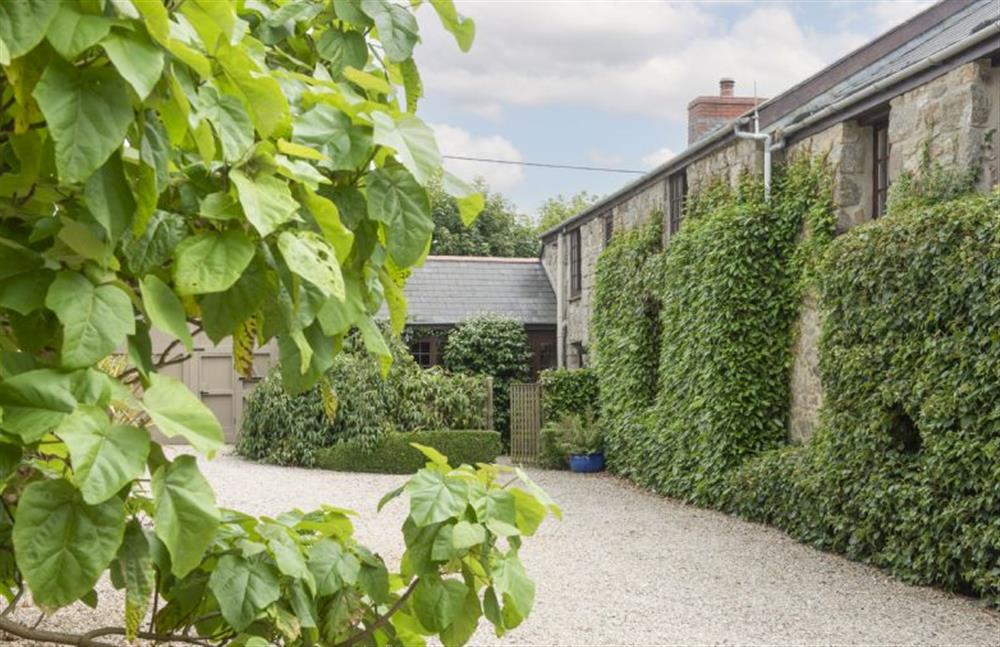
(626, 567)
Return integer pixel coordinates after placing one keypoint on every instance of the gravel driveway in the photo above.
(626, 567)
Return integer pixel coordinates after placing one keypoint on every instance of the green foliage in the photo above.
(573, 434)
(247, 169)
(393, 453)
(903, 469)
(551, 455)
(555, 210)
(568, 392)
(355, 402)
(715, 310)
(498, 230)
(493, 345)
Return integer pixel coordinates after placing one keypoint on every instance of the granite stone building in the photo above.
(932, 83)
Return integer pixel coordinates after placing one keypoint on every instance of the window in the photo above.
(424, 351)
(880, 169)
(575, 274)
(678, 192)
(609, 228)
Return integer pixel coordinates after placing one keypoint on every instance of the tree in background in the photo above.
(498, 230)
(555, 210)
(494, 345)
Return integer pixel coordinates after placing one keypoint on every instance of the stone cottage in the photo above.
(933, 80)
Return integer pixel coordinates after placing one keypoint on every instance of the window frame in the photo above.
(575, 263)
(609, 228)
(431, 352)
(880, 166)
(677, 188)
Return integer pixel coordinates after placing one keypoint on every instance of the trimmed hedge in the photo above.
(394, 455)
(904, 472)
(568, 392)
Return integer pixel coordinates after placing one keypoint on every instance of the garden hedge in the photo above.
(393, 453)
(356, 402)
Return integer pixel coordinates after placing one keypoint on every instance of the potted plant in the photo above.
(583, 442)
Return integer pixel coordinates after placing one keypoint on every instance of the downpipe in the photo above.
(766, 139)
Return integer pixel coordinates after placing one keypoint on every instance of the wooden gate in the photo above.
(525, 422)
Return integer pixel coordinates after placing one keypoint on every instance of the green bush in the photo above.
(551, 454)
(904, 470)
(356, 402)
(493, 345)
(393, 453)
(568, 392)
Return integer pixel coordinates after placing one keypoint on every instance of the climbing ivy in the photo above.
(694, 342)
(568, 392)
(903, 470)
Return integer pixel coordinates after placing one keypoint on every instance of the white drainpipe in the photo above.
(560, 301)
(760, 137)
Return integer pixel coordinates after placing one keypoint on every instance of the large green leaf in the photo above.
(267, 201)
(331, 132)
(109, 199)
(137, 59)
(513, 584)
(164, 309)
(311, 257)
(96, 319)
(63, 544)
(223, 312)
(413, 141)
(396, 199)
(34, 402)
(87, 111)
(436, 601)
(231, 122)
(178, 412)
(105, 457)
(314, 348)
(397, 28)
(342, 48)
(23, 24)
(184, 512)
(435, 497)
(332, 567)
(72, 30)
(155, 246)
(211, 262)
(243, 588)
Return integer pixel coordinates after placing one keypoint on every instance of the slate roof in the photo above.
(449, 289)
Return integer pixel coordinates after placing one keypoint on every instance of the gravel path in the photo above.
(629, 568)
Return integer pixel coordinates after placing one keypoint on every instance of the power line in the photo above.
(543, 165)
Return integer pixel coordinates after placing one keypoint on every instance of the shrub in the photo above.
(494, 345)
(551, 455)
(903, 471)
(356, 402)
(568, 392)
(393, 454)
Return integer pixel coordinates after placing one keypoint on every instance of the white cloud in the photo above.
(657, 157)
(460, 142)
(645, 58)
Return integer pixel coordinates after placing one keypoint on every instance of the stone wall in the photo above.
(726, 163)
(954, 117)
(806, 388)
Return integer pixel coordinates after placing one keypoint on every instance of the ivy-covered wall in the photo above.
(904, 470)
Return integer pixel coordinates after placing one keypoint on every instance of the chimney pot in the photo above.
(726, 87)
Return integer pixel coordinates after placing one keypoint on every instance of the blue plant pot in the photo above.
(586, 462)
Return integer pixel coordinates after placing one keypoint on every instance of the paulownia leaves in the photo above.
(164, 309)
(184, 512)
(136, 58)
(96, 319)
(211, 262)
(309, 256)
(87, 112)
(62, 543)
(243, 588)
(23, 25)
(267, 201)
(395, 198)
(178, 412)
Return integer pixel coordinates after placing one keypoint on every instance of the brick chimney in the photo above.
(705, 114)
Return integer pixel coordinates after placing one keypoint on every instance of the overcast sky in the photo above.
(607, 82)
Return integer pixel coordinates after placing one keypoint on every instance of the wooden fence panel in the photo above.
(525, 422)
